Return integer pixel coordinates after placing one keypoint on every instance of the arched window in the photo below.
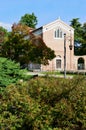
(58, 33)
(80, 64)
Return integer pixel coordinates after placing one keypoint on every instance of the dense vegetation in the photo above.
(24, 47)
(44, 104)
(79, 36)
(10, 72)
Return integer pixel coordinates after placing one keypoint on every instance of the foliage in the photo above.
(3, 35)
(3, 31)
(79, 36)
(44, 104)
(10, 72)
(24, 47)
(29, 19)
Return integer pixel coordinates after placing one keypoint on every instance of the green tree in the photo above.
(24, 47)
(79, 37)
(10, 72)
(78, 30)
(29, 20)
(83, 45)
(3, 34)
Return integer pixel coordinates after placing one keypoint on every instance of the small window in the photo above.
(58, 33)
(81, 64)
(58, 63)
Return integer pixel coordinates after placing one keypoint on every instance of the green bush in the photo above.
(44, 104)
(10, 72)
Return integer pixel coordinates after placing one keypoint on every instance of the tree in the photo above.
(29, 19)
(3, 35)
(79, 37)
(83, 45)
(24, 47)
(10, 72)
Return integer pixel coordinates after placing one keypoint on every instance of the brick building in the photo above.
(53, 35)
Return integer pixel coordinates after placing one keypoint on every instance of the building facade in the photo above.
(56, 35)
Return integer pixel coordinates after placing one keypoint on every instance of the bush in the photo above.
(44, 104)
(10, 72)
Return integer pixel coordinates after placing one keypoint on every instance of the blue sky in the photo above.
(45, 10)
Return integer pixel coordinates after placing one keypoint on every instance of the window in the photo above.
(81, 64)
(58, 63)
(58, 33)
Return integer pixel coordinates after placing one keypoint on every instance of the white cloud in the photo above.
(6, 26)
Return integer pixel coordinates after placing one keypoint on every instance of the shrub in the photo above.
(10, 72)
(44, 104)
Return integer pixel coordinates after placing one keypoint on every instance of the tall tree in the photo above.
(84, 32)
(29, 20)
(79, 37)
(24, 47)
(83, 45)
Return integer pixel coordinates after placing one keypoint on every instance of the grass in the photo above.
(58, 73)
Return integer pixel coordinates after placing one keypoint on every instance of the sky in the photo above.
(46, 11)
